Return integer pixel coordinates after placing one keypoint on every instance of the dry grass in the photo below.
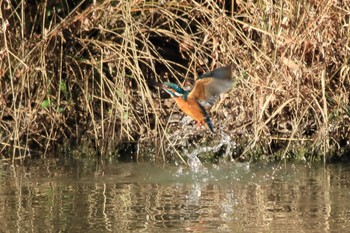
(83, 73)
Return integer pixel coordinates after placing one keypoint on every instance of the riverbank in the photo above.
(82, 75)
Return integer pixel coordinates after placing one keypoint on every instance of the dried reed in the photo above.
(73, 73)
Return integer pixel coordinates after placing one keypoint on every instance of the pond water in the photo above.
(67, 195)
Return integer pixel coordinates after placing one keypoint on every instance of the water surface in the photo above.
(90, 196)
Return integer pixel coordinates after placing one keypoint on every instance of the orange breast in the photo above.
(191, 107)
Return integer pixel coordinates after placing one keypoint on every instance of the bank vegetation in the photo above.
(79, 74)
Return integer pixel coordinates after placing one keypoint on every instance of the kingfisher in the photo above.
(202, 96)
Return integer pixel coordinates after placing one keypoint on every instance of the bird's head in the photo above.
(173, 89)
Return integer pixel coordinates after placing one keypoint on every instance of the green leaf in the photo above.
(60, 109)
(63, 87)
(46, 103)
(125, 116)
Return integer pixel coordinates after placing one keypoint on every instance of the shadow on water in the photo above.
(74, 196)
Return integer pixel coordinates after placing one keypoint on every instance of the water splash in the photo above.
(194, 163)
(225, 141)
(195, 194)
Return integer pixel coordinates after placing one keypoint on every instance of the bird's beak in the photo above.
(160, 85)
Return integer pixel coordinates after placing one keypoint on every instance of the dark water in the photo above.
(89, 196)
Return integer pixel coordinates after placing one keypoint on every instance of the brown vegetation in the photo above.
(75, 73)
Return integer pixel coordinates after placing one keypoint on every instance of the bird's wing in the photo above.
(210, 85)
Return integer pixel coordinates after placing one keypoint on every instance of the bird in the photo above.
(202, 96)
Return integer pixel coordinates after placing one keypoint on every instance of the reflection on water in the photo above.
(76, 196)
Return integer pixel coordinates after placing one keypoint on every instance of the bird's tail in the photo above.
(209, 123)
(207, 119)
